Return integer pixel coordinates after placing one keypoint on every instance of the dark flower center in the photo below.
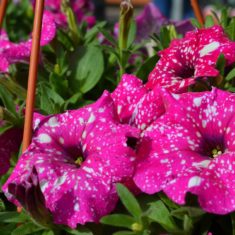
(213, 147)
(131, 142)
(185, 72)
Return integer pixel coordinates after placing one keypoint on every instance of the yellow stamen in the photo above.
(216, 152)
(79, 161)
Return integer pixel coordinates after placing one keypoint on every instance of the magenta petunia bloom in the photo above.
(83, 10)
(136, 105)
(11, 53)
(191, 148)
(191, 57)
(78, 157)
(150, 21)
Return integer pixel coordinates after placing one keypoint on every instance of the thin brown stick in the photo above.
(3, 7)
(197, 11)
(33, 70)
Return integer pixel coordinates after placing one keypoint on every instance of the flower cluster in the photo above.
(153, 136)
(82, 8)
(20, 52)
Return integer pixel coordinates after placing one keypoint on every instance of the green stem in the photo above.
(14, 87)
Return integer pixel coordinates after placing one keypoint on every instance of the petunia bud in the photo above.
(126, 14)
(74, 30)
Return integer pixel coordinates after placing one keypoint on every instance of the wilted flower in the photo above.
(190, 58)
(10, 142)
(135, 104)
(150, 21)
(20, 52)
(78, 157)
(191, 148)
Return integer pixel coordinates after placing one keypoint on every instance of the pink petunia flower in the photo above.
(135, 104)
(20, 52)
(150, 21)
(82, 9)
(191, 148)
(78, 157)
(191, 57)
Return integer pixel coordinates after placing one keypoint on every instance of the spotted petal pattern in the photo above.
(191, 149)
(191, 57)
(135, 104)
(78, 156)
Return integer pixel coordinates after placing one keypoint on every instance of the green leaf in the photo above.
(48, 232)
(2, 205)
(131, 34)
(230, 29)
(195, 23)
(165, 37)
(209, 21)
(13, 217)
(78, 231)
(50, 101)
(72, 100)
(92, 33)
(129, 201)
(6, 127)
(230, 75)
(108, 36)
(24, 229)
(167, 201)
(187, 224)
(7, 100)
(148, 65)
(220, 63)
(65, 40)
(224, 17)
(187, 210)
(232, 89)
(124, 233)
(6, 229)
(87, 65)
(118, 220)
(159, 213)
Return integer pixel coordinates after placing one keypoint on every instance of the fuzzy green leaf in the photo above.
(129, 201)
(159, 213)
(78, 231)
(27, 228)
(87, 65)
(118, 220)
(147, 67)
(190, 211)
(209, 21)
(230, 75)
(13, 217)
